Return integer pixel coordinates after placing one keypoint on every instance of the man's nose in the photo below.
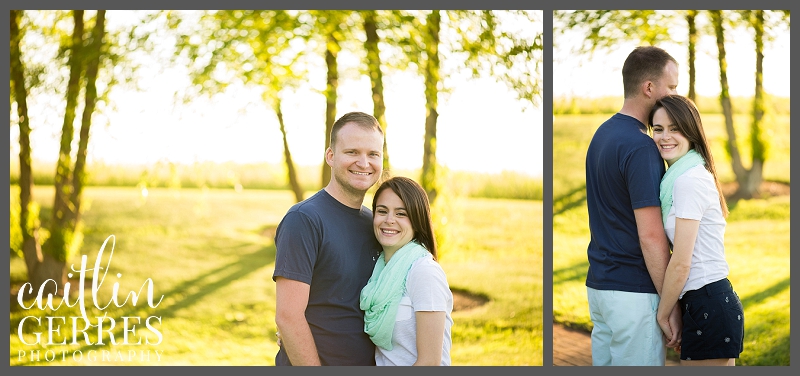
(363, 161)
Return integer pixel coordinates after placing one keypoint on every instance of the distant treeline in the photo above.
(706, 105)
(510, 185)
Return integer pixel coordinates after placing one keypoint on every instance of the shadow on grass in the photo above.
(762, 295)
(203, 284)
(576, 272)
(569, 200)
(776, 355)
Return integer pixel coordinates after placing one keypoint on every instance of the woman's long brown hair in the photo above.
(685, 116)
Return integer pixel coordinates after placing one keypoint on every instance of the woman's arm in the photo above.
(430, 337)
(677, 270)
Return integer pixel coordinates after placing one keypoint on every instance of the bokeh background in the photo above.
(188, 134)
(735, 65)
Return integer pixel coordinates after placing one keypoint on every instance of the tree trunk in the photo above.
(755, 174)
(28, 217)
(290, 170)
(725, 100)
(57, 247)
(690, 20)
(331, 52)
(376, 78)
(92, 68)
(432, 79)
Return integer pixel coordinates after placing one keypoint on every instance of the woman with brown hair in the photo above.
(407, 301)
(693, 211)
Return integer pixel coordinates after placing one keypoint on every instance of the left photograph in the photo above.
(276, 187)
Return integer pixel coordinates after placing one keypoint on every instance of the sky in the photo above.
(482, 127)
(600, 75)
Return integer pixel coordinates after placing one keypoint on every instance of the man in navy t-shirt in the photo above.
(628, 252)
(325, 252)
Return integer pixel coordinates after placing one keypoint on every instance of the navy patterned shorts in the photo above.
(713, 322)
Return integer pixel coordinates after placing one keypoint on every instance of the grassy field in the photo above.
(210, 253)
(506, 184)
(706, 105)
(757, 242)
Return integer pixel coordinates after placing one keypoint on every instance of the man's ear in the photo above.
(647, 88)
(329, 156)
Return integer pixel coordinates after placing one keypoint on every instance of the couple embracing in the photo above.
(657, 273)
(356, 286)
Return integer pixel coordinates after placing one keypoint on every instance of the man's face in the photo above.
(668, 83)
(356, 159)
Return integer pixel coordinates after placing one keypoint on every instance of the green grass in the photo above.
(757, 245)
(209, 252)
(507, 184)
(706, 105)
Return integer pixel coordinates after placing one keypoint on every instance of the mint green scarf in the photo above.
(381, 296)
(691, 159)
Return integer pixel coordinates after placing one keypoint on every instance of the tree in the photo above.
(48, 261)
(29, 213)
(428, 178)
(88, 54)
(692, 42)
(255, 46)
(724, 96)
(760, 21)
(376, 76)
(487, 49)
(336, 27)
(607, 28)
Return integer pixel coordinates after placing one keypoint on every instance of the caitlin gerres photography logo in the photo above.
(66, 328)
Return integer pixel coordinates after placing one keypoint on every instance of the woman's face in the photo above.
(391, 222)
(671, 143)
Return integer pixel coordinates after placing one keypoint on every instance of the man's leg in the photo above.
(636, 338)
(601, 333)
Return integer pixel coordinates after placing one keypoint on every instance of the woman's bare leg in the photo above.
(709, 362)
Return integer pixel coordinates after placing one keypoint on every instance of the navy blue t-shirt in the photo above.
(331, 247)
(623, 173)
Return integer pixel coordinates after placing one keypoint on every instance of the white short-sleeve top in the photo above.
(695, 196)
(426, 290)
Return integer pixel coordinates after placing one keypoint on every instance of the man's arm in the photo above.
(290, 317)
(655, 249)
(678, 269)
(653, 240)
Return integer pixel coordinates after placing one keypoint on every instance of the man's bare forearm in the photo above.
(654, 244)
(298, 342)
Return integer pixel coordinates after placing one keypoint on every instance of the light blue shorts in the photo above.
(625, 331)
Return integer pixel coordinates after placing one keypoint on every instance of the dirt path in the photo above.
(574, 347)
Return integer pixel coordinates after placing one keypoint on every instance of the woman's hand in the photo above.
(663, 322)
(676, 324)
(671, 325)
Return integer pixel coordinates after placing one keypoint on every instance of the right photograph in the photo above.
(671, 188)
